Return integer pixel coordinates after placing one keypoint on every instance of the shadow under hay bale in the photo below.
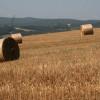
(17, 37)
(9, 49)
(87, 29)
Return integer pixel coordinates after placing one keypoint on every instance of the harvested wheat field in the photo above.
(54, 66)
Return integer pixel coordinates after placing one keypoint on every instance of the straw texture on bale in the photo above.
(17, 37)
(9, 49)
(87, 29)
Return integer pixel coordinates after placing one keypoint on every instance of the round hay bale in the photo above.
(17, 37)
(9, 49)
(87, 29)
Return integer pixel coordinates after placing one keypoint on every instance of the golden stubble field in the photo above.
(54, 66)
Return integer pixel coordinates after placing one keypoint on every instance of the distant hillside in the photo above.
(35, 21)
(38, 26)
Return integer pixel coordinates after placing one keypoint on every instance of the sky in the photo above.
(76, 9)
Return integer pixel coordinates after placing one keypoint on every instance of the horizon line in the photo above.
(50, 18)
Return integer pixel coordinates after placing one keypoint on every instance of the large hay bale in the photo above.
(17, 37)
(87, 29)
(9, 49)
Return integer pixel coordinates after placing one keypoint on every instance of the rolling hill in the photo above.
(58, 66)
(39, 26)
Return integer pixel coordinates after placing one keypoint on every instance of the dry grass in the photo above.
(56, 66)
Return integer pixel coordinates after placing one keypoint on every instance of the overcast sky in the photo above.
(77, 9)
